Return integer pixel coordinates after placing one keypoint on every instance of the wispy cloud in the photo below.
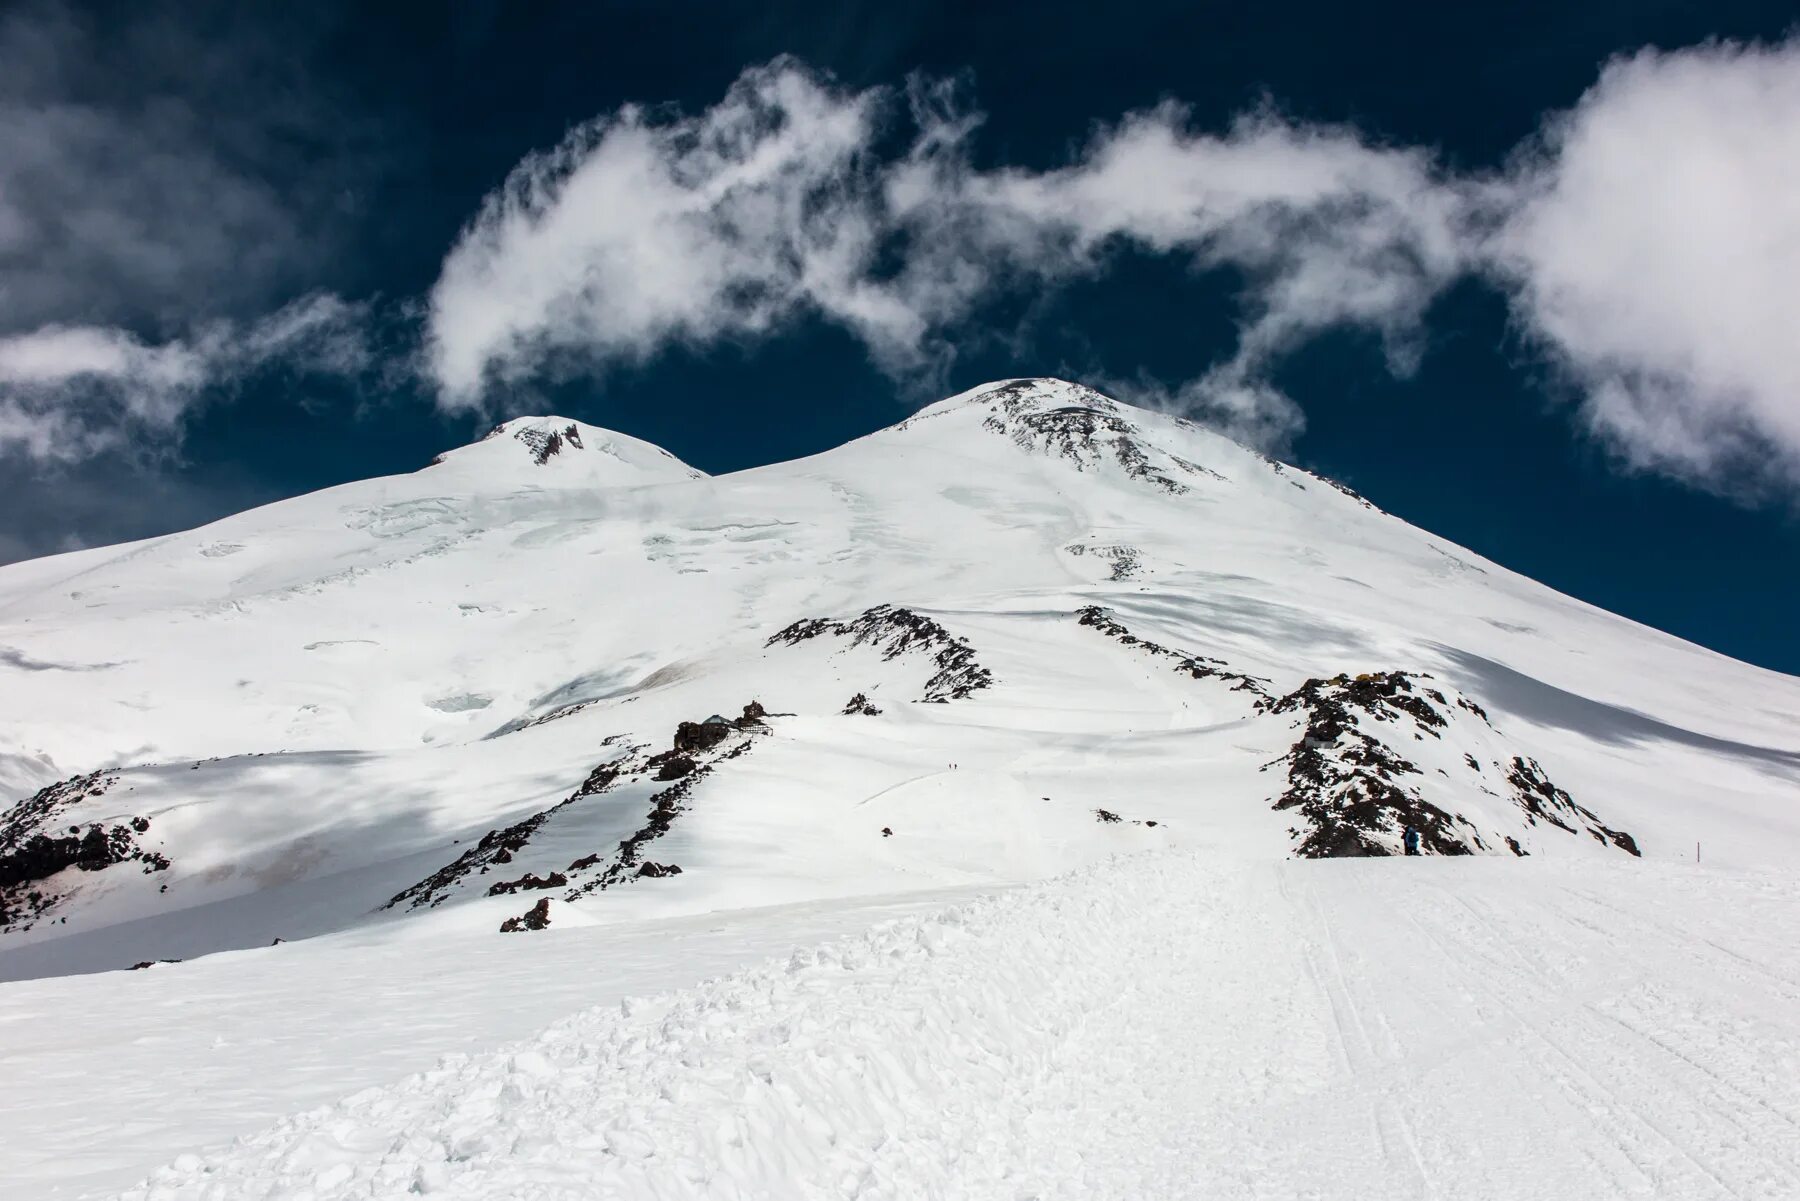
(70, 392)
(639, 231)
(1648, 241)
(150, 243)
(643, 230)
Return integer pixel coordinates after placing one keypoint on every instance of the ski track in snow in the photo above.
(1166, 1025)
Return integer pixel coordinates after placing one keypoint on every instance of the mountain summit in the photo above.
(559, 676)
(571, 451)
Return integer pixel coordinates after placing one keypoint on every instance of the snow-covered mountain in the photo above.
(559, 675)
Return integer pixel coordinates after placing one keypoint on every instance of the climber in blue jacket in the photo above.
(1412, 840)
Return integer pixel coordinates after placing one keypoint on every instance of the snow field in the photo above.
(790, 1080)
(1159, 1026)
(320, 703)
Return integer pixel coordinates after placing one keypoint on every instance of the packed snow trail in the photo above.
(1161, 1026)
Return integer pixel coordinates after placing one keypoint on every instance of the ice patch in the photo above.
(461, 702)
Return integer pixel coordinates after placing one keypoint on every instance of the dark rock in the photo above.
(545, 443)
(1125, 560)
(895, 632)
(665, 807)
(692, 737)
(535, 918)
(1107, 815)
(527, 883)
(497, 847)
(1543, 800)
(674, 767)
(1198, 667)
(1348, 784)
(1085, 434)
(861, 704)
(886, 832)
(29, 857)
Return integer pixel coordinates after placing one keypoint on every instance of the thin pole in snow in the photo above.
(1696, 850)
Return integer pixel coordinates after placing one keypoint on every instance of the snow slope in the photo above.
(445, 696)
(1162, 1026)
(1035, 708)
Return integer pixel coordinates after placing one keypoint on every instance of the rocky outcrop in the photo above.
(894, 632)
(36, 847)
(693, 737)
(498, 847)
(665, 807)
(1198, 667)
(1125, 561)
(695, 749)
(1544, 801)
(1356, 794)
(527, 883)
(1086, 430)
(543, 443)
(1350, 788)
(535, 918)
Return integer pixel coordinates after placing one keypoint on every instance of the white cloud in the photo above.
(1649, 241)
(1326, 230)
(70, 392)
(639, 231)
(1654, 247)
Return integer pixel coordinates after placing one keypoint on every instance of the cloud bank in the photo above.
(1648, 241)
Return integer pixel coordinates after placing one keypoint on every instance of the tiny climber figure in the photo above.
(1412, 840)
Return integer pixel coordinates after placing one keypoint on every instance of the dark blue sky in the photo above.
(432, 105)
